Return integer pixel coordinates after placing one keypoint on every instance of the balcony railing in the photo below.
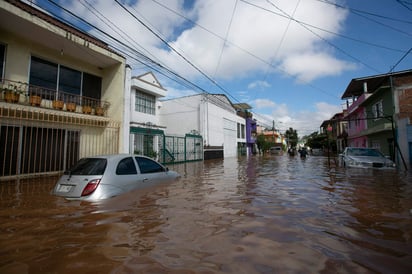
(23, 93)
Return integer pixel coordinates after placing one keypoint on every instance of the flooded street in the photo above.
(263, 214)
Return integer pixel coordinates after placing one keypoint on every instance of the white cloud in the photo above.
(263, 103)
(309, 66)
(304, 121)
(258, 84)
(225, 46)
(251, 40)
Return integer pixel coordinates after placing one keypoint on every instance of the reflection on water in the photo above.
(247, 215)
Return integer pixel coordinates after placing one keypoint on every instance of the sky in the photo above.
(290, 60)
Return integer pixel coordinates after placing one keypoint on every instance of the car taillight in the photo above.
(90, 187)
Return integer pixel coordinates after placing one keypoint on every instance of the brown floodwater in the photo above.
(262, 214)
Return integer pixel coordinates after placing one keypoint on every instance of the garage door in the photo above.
(229, 132)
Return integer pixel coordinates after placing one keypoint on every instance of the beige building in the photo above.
(62, 94)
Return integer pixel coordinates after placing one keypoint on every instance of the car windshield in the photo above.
(89, 166)
(364, 152)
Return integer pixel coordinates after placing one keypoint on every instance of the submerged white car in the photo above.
(101, 177)
(365, 158)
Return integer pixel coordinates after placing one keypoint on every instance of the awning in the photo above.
(146, 131)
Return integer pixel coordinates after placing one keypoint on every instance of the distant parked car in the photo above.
(365, 158)
(276, 150)
(102, 177)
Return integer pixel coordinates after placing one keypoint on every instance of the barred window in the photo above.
(145, 103)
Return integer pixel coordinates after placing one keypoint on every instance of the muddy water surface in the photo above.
(240, 215)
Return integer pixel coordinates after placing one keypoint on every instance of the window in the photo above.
(377, 110)
(92, 86)
(89, 166)
(358, 121)
(238, 130)
(243, 130)
(56, 77)
(148, 166)
(70, 80)
(126, 167)
(145, 103)
(2, 60)
(43, 73)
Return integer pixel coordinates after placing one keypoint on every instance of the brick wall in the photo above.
(405, 103)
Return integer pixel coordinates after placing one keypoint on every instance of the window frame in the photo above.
(129, 170)
(377, 110)
(3, 60)
(85, 82)
(145, 102)
(144, 169)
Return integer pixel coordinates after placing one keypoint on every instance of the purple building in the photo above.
(243, 110)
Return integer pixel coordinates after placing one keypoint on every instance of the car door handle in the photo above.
(145, 179)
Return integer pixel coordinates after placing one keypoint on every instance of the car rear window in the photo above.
(89, 166)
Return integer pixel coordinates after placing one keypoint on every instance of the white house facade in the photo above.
(210, 115)
(145, 127)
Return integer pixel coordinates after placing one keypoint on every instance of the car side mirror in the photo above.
(166, 169)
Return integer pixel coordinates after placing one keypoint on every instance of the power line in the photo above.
(178, 53)
(357, 11)
(145, 60)
(405, 4)
(246, 51)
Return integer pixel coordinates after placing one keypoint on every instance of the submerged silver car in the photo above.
(101, 177)
(365, 158)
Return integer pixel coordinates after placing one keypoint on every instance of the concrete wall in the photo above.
(217, 124)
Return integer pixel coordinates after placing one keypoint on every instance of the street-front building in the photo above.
(61, 93)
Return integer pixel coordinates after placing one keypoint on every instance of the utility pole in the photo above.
(273, 131)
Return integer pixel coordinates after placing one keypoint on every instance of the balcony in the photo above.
(25, 94)
(355, 104)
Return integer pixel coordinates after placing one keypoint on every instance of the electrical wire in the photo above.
(177, 52)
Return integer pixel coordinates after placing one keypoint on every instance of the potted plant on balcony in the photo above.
(87, 109)
(11, 94)
(101, 109)
(58, 103)
(71, 105)
(35, 96)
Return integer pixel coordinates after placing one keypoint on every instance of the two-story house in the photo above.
(383, 100)
(61, 93)
(210, 115)
(145, 127)
(337, 131)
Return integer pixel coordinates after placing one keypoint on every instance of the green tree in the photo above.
(291, 137)
(316, 140)
(262, 144)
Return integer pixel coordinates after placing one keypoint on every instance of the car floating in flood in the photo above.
(101, 177)
(365, 158)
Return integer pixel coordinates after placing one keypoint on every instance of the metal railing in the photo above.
(41, 141)
(23, 93)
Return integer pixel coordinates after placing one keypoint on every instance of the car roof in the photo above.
(111, 157)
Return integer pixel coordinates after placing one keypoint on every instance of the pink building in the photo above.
(357, 124)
